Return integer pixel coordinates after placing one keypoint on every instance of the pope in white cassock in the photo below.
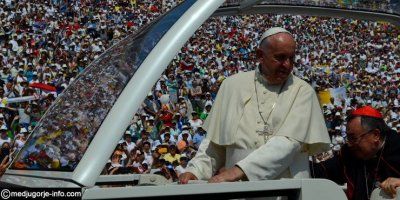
(264, 123)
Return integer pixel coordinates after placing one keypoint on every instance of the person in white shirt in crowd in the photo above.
(128, 140)
(181, 168)
(185, 130)
(195, 122)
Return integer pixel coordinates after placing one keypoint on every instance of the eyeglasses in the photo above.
(355, 140)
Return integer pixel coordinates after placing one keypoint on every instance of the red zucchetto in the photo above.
(367, 111)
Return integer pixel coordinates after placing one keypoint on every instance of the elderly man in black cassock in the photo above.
(369, 159)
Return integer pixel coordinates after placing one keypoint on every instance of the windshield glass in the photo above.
(62, 136)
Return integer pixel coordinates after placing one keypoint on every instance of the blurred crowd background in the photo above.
(387, 6)
(44, 45)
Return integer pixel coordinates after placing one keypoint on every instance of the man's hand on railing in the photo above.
(228, 175)
(390, 185)
(186, 177)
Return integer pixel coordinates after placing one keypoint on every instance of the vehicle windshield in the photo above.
(62, 136)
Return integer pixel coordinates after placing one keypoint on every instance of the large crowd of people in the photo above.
(331, 55)
(44, 46)
(51, 42)
(388, 6)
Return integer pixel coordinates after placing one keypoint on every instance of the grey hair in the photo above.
(371, 123)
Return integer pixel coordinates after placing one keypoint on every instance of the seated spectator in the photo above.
(128, 140)
(145, 138)
(4, 136)
(115, 164)
(148, 156)
(198, 137)
(195, 122)
(172, 154)
(205, 113)
(185, 130)
(182, 165)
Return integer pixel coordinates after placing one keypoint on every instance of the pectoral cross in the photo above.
(266, 132)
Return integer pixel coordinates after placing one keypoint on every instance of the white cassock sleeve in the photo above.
(209, 158)
(271, 159)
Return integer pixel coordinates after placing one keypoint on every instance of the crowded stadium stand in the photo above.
(106, 92)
